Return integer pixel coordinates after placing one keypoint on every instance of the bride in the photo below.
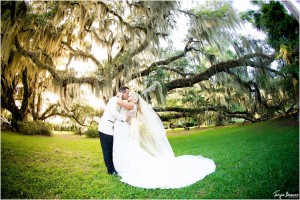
(143, 156)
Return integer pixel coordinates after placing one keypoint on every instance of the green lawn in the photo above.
(253, 161)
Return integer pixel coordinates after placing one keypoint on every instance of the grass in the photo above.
(253, 161)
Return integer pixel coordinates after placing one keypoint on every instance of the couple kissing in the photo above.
(136, 148)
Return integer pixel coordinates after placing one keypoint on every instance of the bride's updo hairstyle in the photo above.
(135, 99)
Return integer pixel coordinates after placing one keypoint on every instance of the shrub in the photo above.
(35, 128)
(92, 132)
(61, 127)
(78, 132)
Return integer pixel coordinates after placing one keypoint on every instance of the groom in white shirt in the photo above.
(106, 128)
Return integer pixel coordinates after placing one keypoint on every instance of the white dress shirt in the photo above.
(110, 115)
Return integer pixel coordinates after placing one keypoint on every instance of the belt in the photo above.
(114, 122)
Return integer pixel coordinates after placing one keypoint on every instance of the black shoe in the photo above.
(115, 173)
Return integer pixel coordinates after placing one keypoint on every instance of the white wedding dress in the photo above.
(144, 158)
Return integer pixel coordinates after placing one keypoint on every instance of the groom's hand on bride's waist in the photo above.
(128, 119)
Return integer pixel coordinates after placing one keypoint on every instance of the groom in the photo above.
(106, 128)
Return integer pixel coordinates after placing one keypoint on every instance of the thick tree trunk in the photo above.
(26, 94)
(8, 102)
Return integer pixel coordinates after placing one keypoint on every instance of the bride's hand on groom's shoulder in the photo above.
(119, 94)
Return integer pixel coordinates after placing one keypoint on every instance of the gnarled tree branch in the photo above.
(167, 61)
(188, 112)
(214, 69)
(81, 53)
(34, 56)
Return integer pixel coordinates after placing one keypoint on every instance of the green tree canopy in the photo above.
(61, 46)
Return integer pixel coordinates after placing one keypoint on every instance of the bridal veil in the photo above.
(148, 131)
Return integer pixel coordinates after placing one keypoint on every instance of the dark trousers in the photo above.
(107, 149)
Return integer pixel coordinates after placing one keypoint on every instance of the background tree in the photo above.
(106, 44)
(282, 32)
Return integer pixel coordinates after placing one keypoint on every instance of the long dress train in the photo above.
(139, 167)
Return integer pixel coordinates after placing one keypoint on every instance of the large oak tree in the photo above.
(46, 45)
